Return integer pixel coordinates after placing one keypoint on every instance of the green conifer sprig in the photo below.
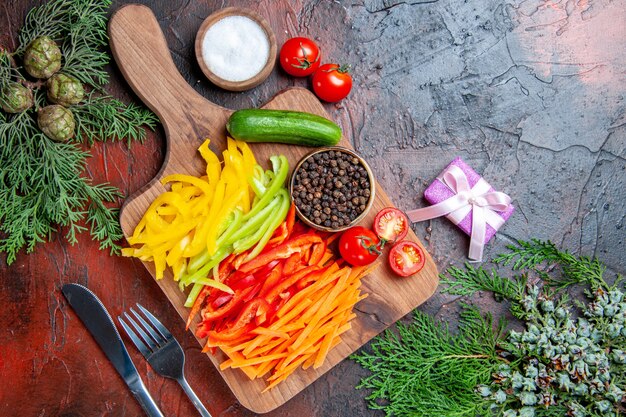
(569, 360)
(43, 186)
(576, 270)
(424, 370)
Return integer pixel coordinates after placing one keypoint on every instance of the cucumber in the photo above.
(282, 126)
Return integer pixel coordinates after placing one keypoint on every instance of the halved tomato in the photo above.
(391, 225)
(406, 258)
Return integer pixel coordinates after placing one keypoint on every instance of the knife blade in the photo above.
(97, 320)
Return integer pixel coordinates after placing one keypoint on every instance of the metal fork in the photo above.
(161, 350)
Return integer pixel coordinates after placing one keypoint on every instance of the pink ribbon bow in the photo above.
(477, 199)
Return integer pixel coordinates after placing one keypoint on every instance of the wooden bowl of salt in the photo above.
(236, 48)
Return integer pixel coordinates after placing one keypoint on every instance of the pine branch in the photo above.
(82, 26)
(8, 72)
(104, 221)
(49, 19)
(42, 186)
(427, 371)
(576, 270)
(468, 281)
(564, 361)
(105, 118)
(83, 46)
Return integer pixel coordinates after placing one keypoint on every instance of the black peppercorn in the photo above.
(331, 188)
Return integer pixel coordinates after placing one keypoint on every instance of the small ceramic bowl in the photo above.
(260, 76)
(372, 188)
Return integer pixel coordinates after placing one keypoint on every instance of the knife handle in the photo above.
(144, 398)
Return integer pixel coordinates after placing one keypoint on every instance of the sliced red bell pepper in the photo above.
(197, 305)
(279, 303)
(258, 277)
(290, 220)
(282, 286)
(246, 281)
(203, 330)
(293, 263)
(230, 334)
(226, 266)
(280, 235)
(255, 311)
(253, 293)
(238, 260)
(221, 300)
(299, 228)
(264, 272)
(220, 324)
(283, 232)
(295, 245)
(209, 314)
(272, 279)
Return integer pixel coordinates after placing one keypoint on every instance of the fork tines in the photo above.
(149, 336)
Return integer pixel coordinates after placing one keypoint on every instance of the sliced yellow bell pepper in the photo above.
(200, 238)
(213, 165)
(201, 184)
(190, 229)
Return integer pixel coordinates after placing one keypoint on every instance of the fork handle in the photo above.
(144, 398)
(193, 397)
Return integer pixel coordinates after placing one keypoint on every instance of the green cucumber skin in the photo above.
(282, 126)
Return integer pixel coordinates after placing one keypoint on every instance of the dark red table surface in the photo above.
(531, 94)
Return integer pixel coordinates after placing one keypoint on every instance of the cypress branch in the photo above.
(42, 182)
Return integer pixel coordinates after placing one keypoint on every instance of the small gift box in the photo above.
(470, 202)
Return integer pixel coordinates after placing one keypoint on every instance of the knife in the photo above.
(96, 318)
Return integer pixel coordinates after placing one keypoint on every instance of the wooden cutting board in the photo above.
(142, 55)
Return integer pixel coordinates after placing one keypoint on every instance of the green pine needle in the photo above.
(43, 187)
(81, 26)
(7, 72)
(468, 281)
(423, 369)
(50, 19)
(426, 371)
(576, 270)
(105, 118)
(103, 221)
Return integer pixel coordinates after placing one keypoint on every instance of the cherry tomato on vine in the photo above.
(359, 246)
(332, 82)
(300, 57)
(391, 224)
(406, 258)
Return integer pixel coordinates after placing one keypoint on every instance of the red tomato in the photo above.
(391, 225)
(332, 82)
(300, 57)
(406, 258)
(359, 246)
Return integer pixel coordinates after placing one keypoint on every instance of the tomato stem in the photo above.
(368, 243)
(304, 63)
(344, 69)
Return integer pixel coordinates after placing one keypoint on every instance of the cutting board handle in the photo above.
(141, 52)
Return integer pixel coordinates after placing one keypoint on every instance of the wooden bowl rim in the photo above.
(370, 202)
(261, 75)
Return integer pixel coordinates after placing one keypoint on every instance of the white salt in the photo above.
(235, 48)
